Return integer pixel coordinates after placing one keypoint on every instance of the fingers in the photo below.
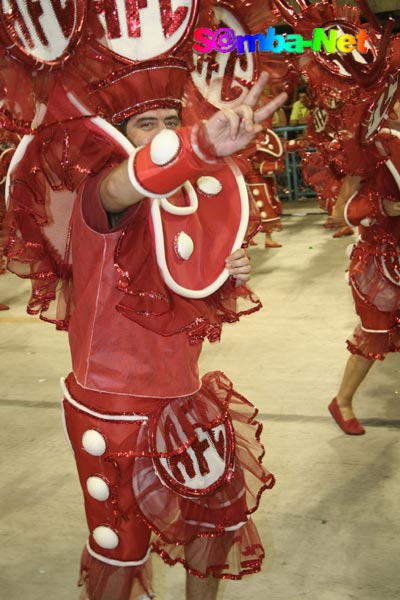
(233, 119)
(265, 111)
(255, 92)
(246, 114)
(238, 262)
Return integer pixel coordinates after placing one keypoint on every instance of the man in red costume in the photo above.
(133, 245)
(167, 462)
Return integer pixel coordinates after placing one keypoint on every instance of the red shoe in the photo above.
(329, 224)
(4, 307)
(272, 245)
(343, 231)
(351, 426)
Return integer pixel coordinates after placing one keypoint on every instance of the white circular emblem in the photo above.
(199, 458)
(148, 28)
(378, 112)
(223, 79)
(334, 61)
(41, 32)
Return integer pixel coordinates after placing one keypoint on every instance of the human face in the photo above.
(142, 128)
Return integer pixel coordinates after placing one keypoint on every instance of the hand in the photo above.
(230, 130)
(238, 265)
(392, 209)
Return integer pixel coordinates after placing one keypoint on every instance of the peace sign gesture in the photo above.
(230, 130)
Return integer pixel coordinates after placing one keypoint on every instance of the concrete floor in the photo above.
(331, 525)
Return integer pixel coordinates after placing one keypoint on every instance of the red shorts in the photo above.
(184, 468)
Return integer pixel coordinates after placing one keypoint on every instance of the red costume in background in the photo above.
(374, 270)
(261, 182)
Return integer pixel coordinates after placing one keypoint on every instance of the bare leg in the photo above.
(269, 242)
(355, 372)
(201, 589)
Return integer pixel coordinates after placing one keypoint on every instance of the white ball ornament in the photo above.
(93, 442)
(210, 186)
(105, 537)
(184, 245)
(97, 488)
(164, 147)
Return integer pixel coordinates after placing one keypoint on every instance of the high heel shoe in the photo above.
(350, 426)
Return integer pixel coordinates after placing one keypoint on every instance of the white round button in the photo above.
(93, 442)
(184, 245)
(97, 488)
(105, 537)
(164, 147)
(263, 214)
(209, 185)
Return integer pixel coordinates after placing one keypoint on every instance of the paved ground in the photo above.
(331, 525)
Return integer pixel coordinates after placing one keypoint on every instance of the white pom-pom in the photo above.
(367, 222)
(263, 214)
(97, 488)
(93, 442)
(349, 250)
(209, 185)
(255, 192)
(105, 537)
(260, 203)
(184, 245)
(164, 147)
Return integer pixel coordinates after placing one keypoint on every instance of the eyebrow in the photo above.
(142, 119)
(154, 119)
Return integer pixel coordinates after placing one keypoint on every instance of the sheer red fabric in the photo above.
(374, 346)
(209, 533)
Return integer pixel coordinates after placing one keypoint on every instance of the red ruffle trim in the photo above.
(367, 275)
(42, 193)
(150, 303)
(374, 346)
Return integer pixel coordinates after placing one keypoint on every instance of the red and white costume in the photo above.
(374, 270)
(167, 462)
(261, 182)
(353, 94)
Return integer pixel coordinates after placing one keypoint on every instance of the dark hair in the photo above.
(122, 126)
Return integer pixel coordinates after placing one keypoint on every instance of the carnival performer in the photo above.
(374, 274)
(167, 462)
(261, 184)
(353, 95)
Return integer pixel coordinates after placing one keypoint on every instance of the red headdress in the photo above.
(353, 92)
(104, 67)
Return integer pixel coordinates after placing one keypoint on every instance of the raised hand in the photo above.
(230, 130)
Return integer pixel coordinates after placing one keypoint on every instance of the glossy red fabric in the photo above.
(191, 531)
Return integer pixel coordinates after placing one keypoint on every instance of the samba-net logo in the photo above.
(224, 39)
